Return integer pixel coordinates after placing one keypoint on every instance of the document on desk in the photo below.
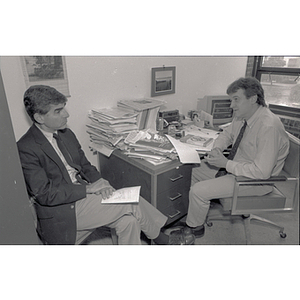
(124, 195)
(186, 154)
(208, 133)
(204, 133)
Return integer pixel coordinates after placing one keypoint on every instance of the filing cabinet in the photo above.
(165, 186)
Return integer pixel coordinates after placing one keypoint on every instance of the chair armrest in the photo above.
(261, 181)
(244, 181)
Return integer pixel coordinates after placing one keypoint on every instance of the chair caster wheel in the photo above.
(209, 224)
(245, 216)
(282, 234)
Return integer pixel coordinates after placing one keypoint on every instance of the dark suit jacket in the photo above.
(49, 183)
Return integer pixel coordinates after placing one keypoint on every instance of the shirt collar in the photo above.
(48, 135)
(255, 116)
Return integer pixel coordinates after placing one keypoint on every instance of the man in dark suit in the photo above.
(67, 190)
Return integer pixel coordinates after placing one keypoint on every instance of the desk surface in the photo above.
(145, 165)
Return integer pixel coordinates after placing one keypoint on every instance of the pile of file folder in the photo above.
(151, 147)
(109, 127)
(147, 109)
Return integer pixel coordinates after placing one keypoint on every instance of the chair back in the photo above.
(291, 165)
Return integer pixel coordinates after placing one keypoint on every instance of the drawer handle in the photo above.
(179, 177)
(176, 197)
(176, 214)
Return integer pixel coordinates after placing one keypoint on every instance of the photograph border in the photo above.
(154, 74)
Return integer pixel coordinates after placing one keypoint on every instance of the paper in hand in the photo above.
(125, 195)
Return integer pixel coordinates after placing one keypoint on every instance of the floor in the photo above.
(235, 232)
(240, 231)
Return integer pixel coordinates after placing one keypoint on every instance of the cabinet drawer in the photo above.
(120, 174)
(177, 176)
(175, 211)
(173, 197)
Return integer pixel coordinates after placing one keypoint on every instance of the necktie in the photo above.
(68, 158)
(222, 171)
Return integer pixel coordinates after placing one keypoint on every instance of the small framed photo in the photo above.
(163, 81)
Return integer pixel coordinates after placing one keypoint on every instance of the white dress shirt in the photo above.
(262, 150)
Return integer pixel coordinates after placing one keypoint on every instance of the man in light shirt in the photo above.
(260, 154)
(67, 190)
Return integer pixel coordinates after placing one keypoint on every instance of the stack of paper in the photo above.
(141, 104)
(153, 148)
(147, 110)
(114, 120)
(109, 127)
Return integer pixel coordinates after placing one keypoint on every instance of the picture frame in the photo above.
(163, 81)
(46, 70)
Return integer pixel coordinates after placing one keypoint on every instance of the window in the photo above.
(47, 70)
(279, 76)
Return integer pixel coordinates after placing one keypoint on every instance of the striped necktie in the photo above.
(69, 159)
(222, 171)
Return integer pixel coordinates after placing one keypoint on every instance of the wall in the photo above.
(102, 81)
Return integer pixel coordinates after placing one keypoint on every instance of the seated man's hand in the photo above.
(100, 187)
(216, 158)
(105, 192)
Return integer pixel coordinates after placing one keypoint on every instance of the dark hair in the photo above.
(38, 98)
(251, 86)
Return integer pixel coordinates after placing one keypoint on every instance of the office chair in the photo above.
(81, 235)
(283, 198)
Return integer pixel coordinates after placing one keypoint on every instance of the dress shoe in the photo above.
(176, 238)
(198, 231)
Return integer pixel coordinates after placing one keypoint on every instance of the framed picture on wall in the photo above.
(163, 81)
(46, 70)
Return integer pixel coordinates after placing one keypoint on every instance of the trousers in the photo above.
(127, 219)
(205, 187)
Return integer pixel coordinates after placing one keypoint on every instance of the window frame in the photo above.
(258, 70)
(288, 114)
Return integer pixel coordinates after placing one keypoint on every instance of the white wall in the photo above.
(102, 81)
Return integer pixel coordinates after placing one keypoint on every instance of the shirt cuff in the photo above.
(230, 166)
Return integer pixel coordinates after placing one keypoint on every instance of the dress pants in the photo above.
(128, 219)
(205, 187)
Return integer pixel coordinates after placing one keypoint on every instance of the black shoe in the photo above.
(176, 238)
(198, 231)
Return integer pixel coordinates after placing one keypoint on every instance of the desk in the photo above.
(165, 186)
